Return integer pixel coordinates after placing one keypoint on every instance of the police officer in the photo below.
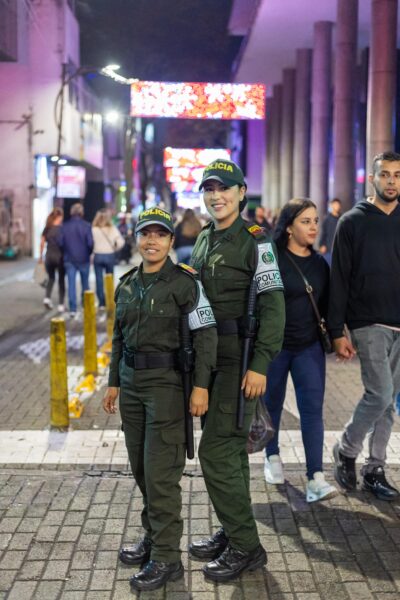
(150, 302)
(229, 253)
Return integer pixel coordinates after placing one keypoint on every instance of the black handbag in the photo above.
(261, 429)
(324, 336)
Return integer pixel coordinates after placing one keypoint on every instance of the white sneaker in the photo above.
(273, 470)
(319, 489)
(48, 303)
(60, 308)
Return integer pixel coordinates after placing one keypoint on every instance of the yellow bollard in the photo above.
(89, 333)
(110, 309)
(59, 413)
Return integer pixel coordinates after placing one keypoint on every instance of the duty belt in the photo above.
(230, 326)
(150, 360)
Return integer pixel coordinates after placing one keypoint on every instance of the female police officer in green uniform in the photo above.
(228, 254)
(150, 301)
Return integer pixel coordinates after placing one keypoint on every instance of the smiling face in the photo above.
(304, 229)
(222, 202)
(386, 181)
(154, 243)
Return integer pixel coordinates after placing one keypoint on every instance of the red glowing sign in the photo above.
(184, 166)
(198, 100)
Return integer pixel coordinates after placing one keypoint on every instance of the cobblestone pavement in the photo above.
(67, 501)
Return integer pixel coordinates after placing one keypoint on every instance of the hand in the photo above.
(198, 401)
(109, 400)
(344, 348)
(254, 384)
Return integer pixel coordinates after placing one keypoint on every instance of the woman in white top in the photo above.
(107, 241)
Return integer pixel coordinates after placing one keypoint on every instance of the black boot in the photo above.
(155, 574)
(233, 562)
(344, 470)
(136, 554)
(209, 548)
(377, 483)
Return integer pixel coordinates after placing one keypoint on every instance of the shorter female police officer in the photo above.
(150, 303)
(233, 257)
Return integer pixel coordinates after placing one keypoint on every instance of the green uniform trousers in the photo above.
(225, 462)
(152, 412)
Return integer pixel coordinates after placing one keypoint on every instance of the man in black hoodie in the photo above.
(365, 296)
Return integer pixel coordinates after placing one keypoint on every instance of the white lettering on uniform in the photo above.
(202, 314)
(267, 275)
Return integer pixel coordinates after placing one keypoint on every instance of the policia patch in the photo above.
(201, 315)
(267, 273)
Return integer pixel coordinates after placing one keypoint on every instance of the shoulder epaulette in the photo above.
(188, 269)
(256, 231)
(125, 275)
(207, 225)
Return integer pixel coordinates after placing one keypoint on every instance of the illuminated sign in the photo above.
(184, 166)
(71, 182)
(198, 100)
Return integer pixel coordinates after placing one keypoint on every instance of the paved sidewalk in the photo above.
(67, 501)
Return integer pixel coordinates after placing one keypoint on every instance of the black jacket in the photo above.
(365, 275)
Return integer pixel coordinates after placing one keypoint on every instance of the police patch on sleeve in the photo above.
(267, 275)
(201, 316)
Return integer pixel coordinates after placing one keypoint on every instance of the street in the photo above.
(67, 501)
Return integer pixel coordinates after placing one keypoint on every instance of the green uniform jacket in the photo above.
(147, 320)
(227, 261)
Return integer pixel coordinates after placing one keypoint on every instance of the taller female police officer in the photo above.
(229, 253)
(150, 301)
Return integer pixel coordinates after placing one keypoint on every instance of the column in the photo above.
(302, 114)
(320, 114)
(266, 187)
(344, 102)
(286, 158)
(382, 78)
(276, 118)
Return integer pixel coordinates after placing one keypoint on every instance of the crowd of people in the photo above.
(257, 303)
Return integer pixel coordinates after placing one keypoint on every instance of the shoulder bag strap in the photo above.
(309, 288)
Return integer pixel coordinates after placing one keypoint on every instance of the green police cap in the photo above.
(224, 171)
(155, 216)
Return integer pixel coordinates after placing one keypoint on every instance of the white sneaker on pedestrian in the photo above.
(319, 489)
(72, 314)
(273, 470)
(60, 308)
(48, 303)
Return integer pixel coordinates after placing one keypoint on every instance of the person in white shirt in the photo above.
(107, 241)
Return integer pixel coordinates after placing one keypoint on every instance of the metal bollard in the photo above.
(110, 305)
(89, 333)
(59, 413)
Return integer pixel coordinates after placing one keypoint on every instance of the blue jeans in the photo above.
(307, 368)
(71, 270)
(102, 263)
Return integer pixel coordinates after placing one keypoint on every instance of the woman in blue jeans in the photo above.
(107, 241)
(302, 355)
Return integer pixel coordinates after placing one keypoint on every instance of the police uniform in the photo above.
(227, 261)
(144, 366)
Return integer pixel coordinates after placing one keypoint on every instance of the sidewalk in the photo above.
(67, 501)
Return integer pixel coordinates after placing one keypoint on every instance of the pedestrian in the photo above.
(186, 233)
(365, 297)
(229, 254)
(151, 300)
(53, 261)
(107, 240)
(260, 219)
(302, 354)
(328, 229)
(77, 245)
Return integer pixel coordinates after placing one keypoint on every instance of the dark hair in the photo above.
(335, 200)
(56, 212)
(290, 211)
(388, 155)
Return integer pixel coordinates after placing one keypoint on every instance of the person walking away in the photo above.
(77, 245)
(151, 301)
(107, 240)
(186, 233)
(302, 354)
(54, 262)
(328, 229)
(365, 297)
(230, 255)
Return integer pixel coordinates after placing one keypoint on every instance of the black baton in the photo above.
(186, 366)
(250, 330)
